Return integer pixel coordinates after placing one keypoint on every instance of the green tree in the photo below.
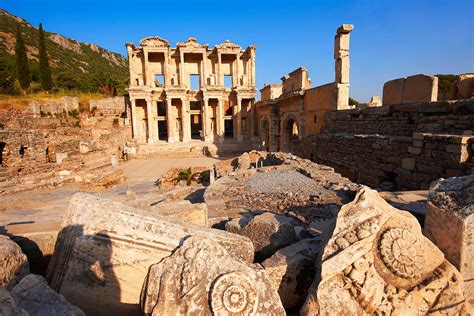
(21, 60)
(7, 83)
(353, 101)
(44, 71)
(67, 81)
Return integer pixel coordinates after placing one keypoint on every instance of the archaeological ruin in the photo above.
(189, 196)
(191, 92)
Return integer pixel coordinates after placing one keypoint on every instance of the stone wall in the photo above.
(397, 147)
(453, 117)
(417, 88)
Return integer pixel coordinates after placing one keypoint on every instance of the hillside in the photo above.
(75, 64)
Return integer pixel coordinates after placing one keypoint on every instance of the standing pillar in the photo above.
(237, 70)
(152, 131)
(341, 57)
(134, 120)
(186, 120)
(181, 69)
(170, 121)
(238, 118)
(203, 71)
(252, 118)
(219, 79)
(206, 121)
(220, 120)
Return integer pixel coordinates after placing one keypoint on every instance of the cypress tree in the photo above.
(44, 71)
(8, 80)
(21, 60)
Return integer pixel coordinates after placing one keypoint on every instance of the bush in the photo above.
(187, 175)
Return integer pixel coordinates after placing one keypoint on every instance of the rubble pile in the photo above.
(334, 248)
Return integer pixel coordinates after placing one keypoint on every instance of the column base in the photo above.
(150, 141)
(208, 138)
(170, 140)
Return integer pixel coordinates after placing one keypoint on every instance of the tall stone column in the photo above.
(220, 120)
(252, 118)
(166, 71)
(181, 69)
(152, 126)
(145, 61)
(219, 75)
(186, 120)
(208, 136)
(236, 77)
(203, 70)
(252, 65)
(170, 122)
(341, 57)
(136, 133)
(238, 116)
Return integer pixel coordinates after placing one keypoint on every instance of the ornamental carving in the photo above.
(402, 253)
(233, 293)
(191, 42)
(154, 41)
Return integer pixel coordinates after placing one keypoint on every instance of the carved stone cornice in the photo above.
(154, 41)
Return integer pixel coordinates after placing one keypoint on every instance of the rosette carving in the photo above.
(233, 293)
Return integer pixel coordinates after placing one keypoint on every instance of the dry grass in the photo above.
(20, 102)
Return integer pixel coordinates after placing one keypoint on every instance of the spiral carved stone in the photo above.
(233, 293)
(402, 253)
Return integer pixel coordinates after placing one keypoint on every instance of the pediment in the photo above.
(192, 43)
(154, 41)
(228, 45)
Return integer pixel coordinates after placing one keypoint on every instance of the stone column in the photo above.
(170, 122)
(203, 70)
(181, 69)
(237, 71)
(186, 120)
(252, 118)
(152, 136)
(206, 121)
(220, 120)
(145, 61)
(166, 72)
(219, 79)
(341, 56)
(252, 66)
(238, 117)
(134, 120)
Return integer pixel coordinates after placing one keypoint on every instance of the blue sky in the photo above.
(391, 39)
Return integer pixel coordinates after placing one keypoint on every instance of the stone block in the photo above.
(105, 248)
(420, 88)
(393, 91)
(449, 223)
(292, 270)
(465, 86)
(418, 143)
(195, 213)
(375, 259)
(33, 295)
(418, 136)
(13, 263)
(414, 150)
(408, 163)
(201, 278)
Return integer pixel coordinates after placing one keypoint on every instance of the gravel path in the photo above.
(281, 181)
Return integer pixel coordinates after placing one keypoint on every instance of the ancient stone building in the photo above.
(290, 111)
(191, 92)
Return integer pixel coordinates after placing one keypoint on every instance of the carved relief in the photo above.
(191, 42)
(229, 45)
(201, 278)
(154, 41)
(378, 263)
(234, 293)
(402, 252)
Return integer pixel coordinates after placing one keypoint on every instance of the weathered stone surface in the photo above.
(105, 248)
(34, 296)
(420, 88)
(235, 225)
(378, 262)
(8, 306)
(13, 263)
(201, 278)
(195, 213)
(292, 269)
(268, 233)
(449, 224)
(393, 91)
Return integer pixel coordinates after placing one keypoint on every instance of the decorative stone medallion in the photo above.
(402, 253)
(233, 293)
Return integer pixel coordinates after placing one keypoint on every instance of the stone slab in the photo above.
(105, 248)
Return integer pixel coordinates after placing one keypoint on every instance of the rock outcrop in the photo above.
(201, 278)
(378, 262)
(105, 248)
(13, 263)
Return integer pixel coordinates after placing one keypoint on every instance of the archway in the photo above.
(290, 135)
(265, 134)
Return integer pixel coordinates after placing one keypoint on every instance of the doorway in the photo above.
(162, 130)
(196, 126)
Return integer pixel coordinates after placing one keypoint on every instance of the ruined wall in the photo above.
(318, 101)
(417, 88)
(404, 119)
(399, 146)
